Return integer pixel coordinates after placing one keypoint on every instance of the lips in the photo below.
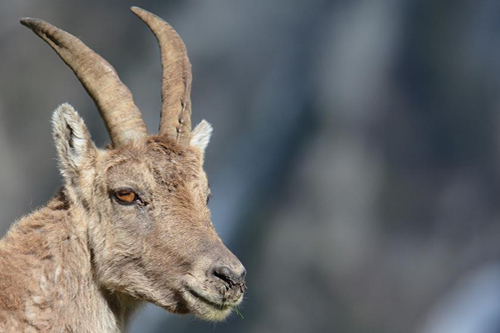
(210, 299)
(217, 304)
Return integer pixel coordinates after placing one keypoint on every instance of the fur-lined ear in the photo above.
(75, 148)
(200, 136)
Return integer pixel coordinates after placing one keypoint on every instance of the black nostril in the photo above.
(231, 277)
(233, 280)
(224, 273)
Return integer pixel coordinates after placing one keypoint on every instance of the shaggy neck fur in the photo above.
(47, 280)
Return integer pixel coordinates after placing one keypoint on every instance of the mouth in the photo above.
(207, 306)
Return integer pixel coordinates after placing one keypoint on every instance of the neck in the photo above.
(46, 262)
(123, 306)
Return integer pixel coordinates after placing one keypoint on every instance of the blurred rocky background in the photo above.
(355, 160)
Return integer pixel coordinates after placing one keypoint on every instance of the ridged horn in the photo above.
(175, 120)
(113, 99)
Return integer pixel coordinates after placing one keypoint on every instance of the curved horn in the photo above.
(113, 99)
(176, 80)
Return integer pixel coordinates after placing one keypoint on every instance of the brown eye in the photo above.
(208, 197)
(126, 196)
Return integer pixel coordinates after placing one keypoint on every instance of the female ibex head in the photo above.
(144, 199)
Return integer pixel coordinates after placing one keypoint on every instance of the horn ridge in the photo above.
(175, 119)
(113, 99)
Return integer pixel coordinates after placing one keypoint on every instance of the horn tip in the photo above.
(137, 10)
(33, 23)
(28, 21)
(142, 13)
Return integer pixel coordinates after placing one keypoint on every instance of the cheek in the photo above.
(144, 223)
(132, 221)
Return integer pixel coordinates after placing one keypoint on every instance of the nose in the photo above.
(231, 276)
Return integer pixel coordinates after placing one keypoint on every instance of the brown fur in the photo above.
(85, 262)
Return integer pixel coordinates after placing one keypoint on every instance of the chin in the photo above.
(207, 307)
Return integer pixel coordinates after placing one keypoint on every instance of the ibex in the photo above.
(131, 222)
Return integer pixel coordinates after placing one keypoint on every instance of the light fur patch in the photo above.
(71, 136)
(200, 136)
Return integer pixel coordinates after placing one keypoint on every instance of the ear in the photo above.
(75, 148)
(200, 136)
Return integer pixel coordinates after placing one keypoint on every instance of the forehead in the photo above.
(157, 159)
